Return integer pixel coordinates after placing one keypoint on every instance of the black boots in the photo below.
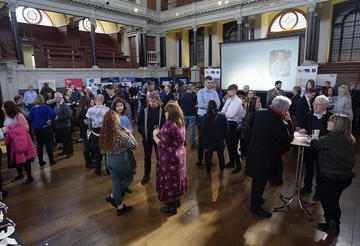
(331, 227)
(170, 207)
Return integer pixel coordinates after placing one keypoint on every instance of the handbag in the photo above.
(132, 159)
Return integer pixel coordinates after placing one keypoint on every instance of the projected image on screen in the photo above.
(280, 63)
(259, 63)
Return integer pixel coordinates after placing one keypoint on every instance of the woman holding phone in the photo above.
(336, 168)
(115, 142)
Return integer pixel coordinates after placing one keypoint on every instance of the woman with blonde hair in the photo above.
(171, 179)
(115, 142)
(342, 103)
(336, 155)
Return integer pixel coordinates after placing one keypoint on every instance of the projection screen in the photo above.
(259, 63)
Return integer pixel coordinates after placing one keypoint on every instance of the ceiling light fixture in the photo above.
(177, 14)
(219, 3)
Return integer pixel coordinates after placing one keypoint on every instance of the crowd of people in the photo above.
(236, 121)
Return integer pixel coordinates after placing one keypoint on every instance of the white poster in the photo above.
(214, 73)
(305, 73)
(321, 78)
(51, 82)
(93, 83)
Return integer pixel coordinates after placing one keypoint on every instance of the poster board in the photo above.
(321, 78)
(127, 81)
(166, 81)
(93, 83)
(305, 73)
(77, 83)
(214, 73)
(51, 82)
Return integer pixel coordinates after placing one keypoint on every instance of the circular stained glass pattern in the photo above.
(289, 20)
(32, 16)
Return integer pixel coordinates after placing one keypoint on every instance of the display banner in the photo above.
(152, 81)
(51, 82)
(77, 83)
(321, 78)
(166, 80)
(214, 73)
(182, 80)
(93, 83)
(305, 73)
(127, 81)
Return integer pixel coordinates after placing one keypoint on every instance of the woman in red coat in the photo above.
(171, 180)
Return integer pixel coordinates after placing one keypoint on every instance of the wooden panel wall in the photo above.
(150, 43)
(7, 46)
(151, 4)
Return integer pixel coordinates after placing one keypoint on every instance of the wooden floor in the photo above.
(65, 205)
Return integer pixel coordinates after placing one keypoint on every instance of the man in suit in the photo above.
(304, 105)
(314, 120)
(276, 91)
(62, 124)
(151, 117)
(272, 134)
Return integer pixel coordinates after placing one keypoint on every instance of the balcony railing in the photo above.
(153, 58)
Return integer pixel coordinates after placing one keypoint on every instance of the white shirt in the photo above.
(319, 116)
(232, 108)
(308, 102)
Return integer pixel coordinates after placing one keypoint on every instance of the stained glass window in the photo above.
(85, 25)
(288, 21)
(33, 16)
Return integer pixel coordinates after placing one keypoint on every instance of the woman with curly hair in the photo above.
(115, 142)
(119, 106)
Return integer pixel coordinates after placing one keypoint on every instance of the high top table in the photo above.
(297, 184)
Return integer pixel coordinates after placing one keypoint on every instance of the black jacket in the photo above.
(271, 137)
(294, 101)
(302, 108)
(167, 98)
(307, 123)
(145, 127)
(63, 116)
(213, 139)
(336, 156)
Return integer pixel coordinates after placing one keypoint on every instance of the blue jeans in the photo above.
(191, 120)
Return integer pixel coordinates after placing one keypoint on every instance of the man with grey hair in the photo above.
(62, 124)
(151, 117)
(94, 119)
(271, 137)
(188, 103)
(29, 97)
(314, 120)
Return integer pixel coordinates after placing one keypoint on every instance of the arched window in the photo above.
(345, 40)
(33, 16)
(288, 20)
(85, 25)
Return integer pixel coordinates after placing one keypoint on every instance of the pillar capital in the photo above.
(311, 6)
(195, 28)
(239, 20)
(12, 4)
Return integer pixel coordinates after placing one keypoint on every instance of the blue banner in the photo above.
(182, 81)
(152, 81)
(139, 82)
(166, 80)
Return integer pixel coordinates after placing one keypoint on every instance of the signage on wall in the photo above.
(214, 73)
(93, 83)
(166, 80)
(51, 82)
(152, 81)
(305, 73)
(77, 83)
(182, 80)
(127, 80)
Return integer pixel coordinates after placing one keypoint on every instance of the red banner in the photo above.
(77, 83)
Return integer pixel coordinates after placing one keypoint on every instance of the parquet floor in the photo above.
(65, 206)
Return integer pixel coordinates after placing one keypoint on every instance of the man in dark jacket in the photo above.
(151, 117)
(314, 120)
(62, 124)
(272, 134)
(169, 95)
(304, 105)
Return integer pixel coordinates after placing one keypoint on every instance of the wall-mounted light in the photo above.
(177, 14)
(136, 10)
(226, 2)
(219, 3)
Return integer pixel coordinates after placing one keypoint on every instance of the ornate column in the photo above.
(309, 30)
(12, 7)
(93, 40)
(163, 49)
(315, 37)
(239, 21)
(195, 45)
(143, 43)
(246, 31)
